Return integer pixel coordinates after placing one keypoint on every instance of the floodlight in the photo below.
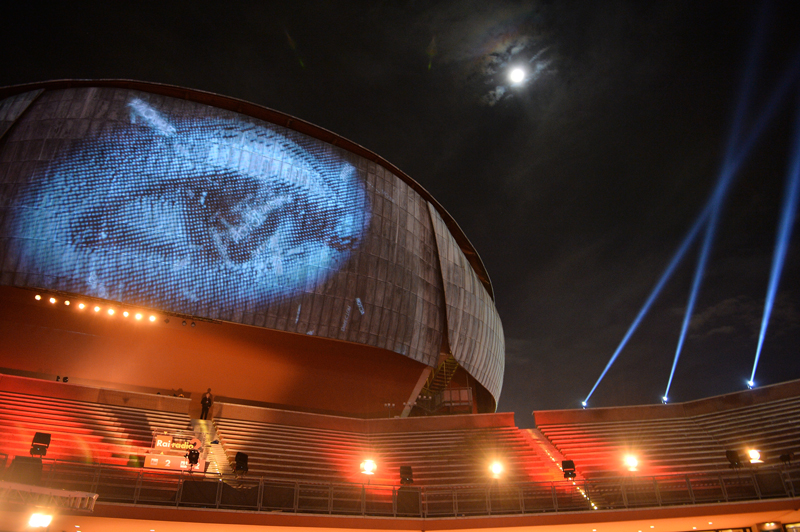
(111, 312)
(406, 475)
(241, 463)
(368, 467)
(665, 399)
(40, 443)
(497, 469)
(568, 466)
(755, 456)
(631, 462)
(97, 309)
(751, 384)
(52, 300)
(138, 316)
(152, 318)
(37, 297)
(584, 404)
(734, 459)
(38, 520)
(787, 458)
(81, 306)
(193, 456)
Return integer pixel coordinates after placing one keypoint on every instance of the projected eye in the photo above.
(175, 212)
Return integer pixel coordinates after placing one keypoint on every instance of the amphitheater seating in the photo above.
(82, 431)
(696, 440)
(455, 456)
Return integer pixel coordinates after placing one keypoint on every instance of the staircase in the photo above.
(218, 463)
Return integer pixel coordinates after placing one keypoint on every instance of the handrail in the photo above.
(137, 486)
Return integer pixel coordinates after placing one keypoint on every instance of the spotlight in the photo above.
(126, 314)
(138, 316)
(183, 323)
(665, 399)
(755, 456)
(497, 469)
(734, 459)
(65, 379)
(111, 312)
(568, 466)
(66, 302)
(584, 404)
(241, 463)
(166, 320)
(193, 456)
(192, 324)
(40, 443)
(37, 297)
(38, 520)
(81, 306)
(631, 462)
(368, 467)
(97, 309)
(152, 318)
(52, 300)
(751, 384)
(406, 475)
(787, 458)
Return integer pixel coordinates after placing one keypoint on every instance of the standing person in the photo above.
(206, 401)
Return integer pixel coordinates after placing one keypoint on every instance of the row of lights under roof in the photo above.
(40, 520)
(97, 308)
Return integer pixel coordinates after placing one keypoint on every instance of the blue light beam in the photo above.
(789, 76)
(788, 213)
(725, 177)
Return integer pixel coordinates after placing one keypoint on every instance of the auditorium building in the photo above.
(157, 242)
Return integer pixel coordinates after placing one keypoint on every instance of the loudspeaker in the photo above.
(26, 470)
(241, 462)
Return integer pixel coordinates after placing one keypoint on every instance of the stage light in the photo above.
(787, 458)
(152, 318)
(406, 475)
(81, 306)
(755, 456)
(497, 469)
(734, 459)
(193, 456)
(111, 312)
(66, 379)
(126, 314)
(97, 309)
(138, 316)
(41, 441)
(166, 320)
(192, 324)
(631, 462)
(517, 75)
(568, 467)
(52, 300)
(751, 384)
(665, 399)
(584, 404)
(66, 302)
(37, 297)
(368, 467)
(38, 520)
(183, 323)
(240, 467)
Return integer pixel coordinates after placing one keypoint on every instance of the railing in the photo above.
(147, 487)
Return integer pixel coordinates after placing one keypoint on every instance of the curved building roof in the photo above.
(207, 206)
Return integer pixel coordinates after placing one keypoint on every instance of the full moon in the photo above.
(516, 75)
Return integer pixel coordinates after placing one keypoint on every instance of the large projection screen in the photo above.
(144, 199)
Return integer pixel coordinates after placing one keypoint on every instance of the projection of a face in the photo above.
(182, 210)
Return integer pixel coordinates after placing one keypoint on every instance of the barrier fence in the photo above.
(130, 485)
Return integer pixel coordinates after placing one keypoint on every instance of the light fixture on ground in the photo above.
(568, 466)
(734, 459)
(40, 443)
(368, 467)
(406, 475)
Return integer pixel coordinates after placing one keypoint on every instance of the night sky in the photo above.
(576, 186)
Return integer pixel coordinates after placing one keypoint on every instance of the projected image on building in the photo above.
(171, 208)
